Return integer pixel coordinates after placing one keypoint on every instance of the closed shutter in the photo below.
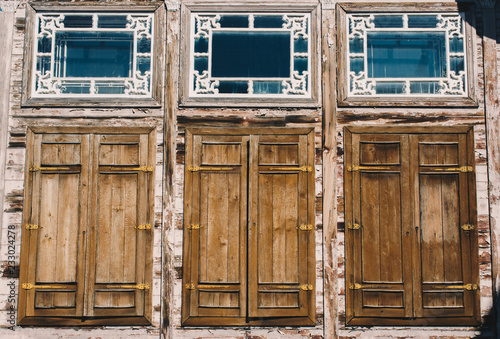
(248, 198)
(87, 232)
(411, 239)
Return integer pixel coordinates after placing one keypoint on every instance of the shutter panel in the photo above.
(121, 226)
(215, 226)
(53, 251)
(378, 245)
(281, 239)
(444, 248)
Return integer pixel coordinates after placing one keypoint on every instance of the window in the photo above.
(86, 250)
(249, 227)
(250, 57)
(414, 55)
(102, 58)
(411, 227)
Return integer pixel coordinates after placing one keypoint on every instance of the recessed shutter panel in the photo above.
(52, 276)
(215, 225)
(281, 226)
(445, 286)
(121, 226)
(376, 231)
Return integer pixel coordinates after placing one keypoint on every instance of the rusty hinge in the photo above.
(38, 168)
(469, 287)
(193, 227)
(355, 286)
(305, 227)
(190, 287)
(196, 168)
(31, 227)
(302, 169)
(463, 169)
(354, 226)
(467, 227)
(306, 287)
(143, 227)
(357, 168)
(136, 287)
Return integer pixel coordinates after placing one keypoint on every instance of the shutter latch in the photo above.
(354, 226)
(143, 227)
(306, 287)
(305, 227)
(190, 287)
(193, 227)
(31, 226)
(467, 227)
(355, 286)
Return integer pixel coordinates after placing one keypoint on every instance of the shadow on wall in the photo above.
(487, 328)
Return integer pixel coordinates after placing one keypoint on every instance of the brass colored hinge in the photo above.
(141, 169)
(356, 168)
(354, 226)
(31, 226)
(193, 227)
(306, 287)
(467, 227)
(190, 287)
(355, 286)
(196, 168)
(463, 169)
(305, 227)
(29, 286)
(38, 168)
(469, 287)
(143, 227)
(302, 169)
(137, 287)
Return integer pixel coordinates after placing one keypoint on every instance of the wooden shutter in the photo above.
(281, 238)
(377, 225)
(54, 223)
(446, 286)
(121, 226)
(215, 226)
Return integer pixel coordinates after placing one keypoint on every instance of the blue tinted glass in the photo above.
(422, 21)
(43, 64)
(300, 45)
(201, 45)
(112, 21)
(388, 21)
(144, 45)
(240, 21)
(251, 54)
(356, 45)
(456, 45)
(268, 22)
(44, 45)
(201, 64)
(233, 87)
(267, 87)
(424, 87)
(390, 88)
(94, 54)
(406, 54)
(109, 88)
(457, 64)
(357, 65)
(300, 65)
(78, 21)
(69, 87)
(143, 65)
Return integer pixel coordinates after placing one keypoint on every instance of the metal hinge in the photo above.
(467, 227)
(302, 169)
(137, 287)
(193, 227)
(469, 287)
(355, 286)
(29, 286)
(354, 226)
(143, 227)
(38, 168)
(190, 287)
(306, 287)
(357, 168)
(196, 168)
(31, 226)
(463, 169)
(305, 227)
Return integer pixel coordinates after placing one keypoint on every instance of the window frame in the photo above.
(308, 7)
(153, 100)
(403, 100)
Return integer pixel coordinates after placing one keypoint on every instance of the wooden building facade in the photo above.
(250, 169)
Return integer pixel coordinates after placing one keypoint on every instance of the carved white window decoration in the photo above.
(420, 54)
(93, 55)
(250, 55)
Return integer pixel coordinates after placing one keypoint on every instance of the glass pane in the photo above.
(109, 87)
(112, 21)
(456, 45)
(424, 87)
(356, 45)
(267, 87)
(94, 54)
(44, 45)
(390, 88)
(422, 21)
(300, 65)
(388, 21)
(251, 54)
(406, 54)
(43, 64)
(457, 64)
(144, 45)
(78, 21)
(201, 45)
(75, 87)
(300, 45)
(201, 64)
(357, 65)
(143, 65)
(268, 22)
(240, 21)
(234, 87)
